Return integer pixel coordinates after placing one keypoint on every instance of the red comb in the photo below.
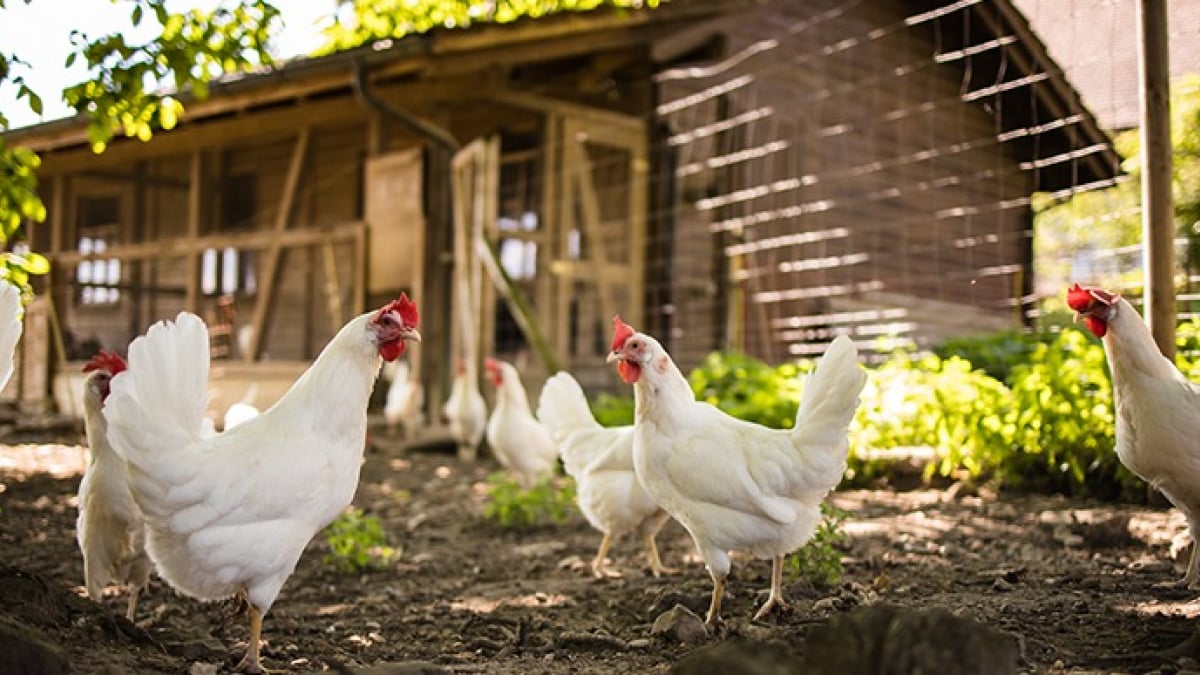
(106, 361)
(621, 332)
(405, 308)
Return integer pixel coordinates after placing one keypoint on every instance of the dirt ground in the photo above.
(1081, 586)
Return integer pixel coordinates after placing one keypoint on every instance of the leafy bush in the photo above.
(550, 500)
(357, 543)
(820, 561)
(613, 411)
(1064, 424)
(749, 389)
(941, 403)
(994, 353)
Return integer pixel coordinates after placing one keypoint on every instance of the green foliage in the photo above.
(613, 411)
(381, 19)
(820, 560)
(993, 353)
(358, 544)
(945, 404)
(1064, 424)
(749, 389)
(550, 500)
(191, 49)
(1111, 218)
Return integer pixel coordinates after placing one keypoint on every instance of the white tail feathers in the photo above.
(563, 408)
(827, 407)
(168, 374)
(10, 328)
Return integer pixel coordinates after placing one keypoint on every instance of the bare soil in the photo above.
(1081, 586)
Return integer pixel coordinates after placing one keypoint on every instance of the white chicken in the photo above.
(1158, 409)
(600, 459)
(732, 484)
(521, 444)
(466, 412)
(10, 329)
(110, 529)
(231, 514)
(405, 401)
(243, 410)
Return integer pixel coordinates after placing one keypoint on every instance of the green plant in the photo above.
(1064, 424)
(993, 353)
(820, 561)
(946, 404)
(358, 544)
(749, 389)
(613, 411)
(550, 500)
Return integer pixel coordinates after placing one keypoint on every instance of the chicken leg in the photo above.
(131, 608)
(650, 528)
(250, 662)
(598, 569)
(775, 599)
(714, 607)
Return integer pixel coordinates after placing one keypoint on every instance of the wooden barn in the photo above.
(749, 174)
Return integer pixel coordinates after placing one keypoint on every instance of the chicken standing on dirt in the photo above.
(466, 412)
(10, 328)
(600, 459)
(405, 400)
(732, 484)
(110, 530)
(521, 444)
(231, 514)
(1157, 408)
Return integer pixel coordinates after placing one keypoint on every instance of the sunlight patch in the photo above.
(60, 461)
(481, 605)
(1189, 609)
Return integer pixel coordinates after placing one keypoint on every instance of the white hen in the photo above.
(231, 514)
(600, 459)
(405, 401)
(10, 329)
(466, 412)
(110, 529)
(1157, 407)
(521, 444)
(732, 484)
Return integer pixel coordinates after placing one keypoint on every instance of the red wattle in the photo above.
(390, 351)
(629, 372)
(1098, 326)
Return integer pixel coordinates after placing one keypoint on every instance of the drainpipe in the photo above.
(439, 198)
(429, 131)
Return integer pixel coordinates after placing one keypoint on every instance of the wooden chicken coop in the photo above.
(738, 173)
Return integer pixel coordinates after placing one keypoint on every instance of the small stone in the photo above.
(680, 624)
(1000, 585)
(204, 668)
(640, 643)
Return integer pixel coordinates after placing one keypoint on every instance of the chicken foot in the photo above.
(650, 528)
(775, 599)
(131, 607)
(599, 570)
(250, 662)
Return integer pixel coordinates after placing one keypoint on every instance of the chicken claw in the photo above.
(775, 599)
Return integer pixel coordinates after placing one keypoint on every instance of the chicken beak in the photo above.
(411, 335)
(613, 357)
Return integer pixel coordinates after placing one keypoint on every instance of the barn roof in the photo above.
(1041, 114)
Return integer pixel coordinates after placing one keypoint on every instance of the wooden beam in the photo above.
(580, 187)
(1158, 208)
(272, 255)
(251, 241)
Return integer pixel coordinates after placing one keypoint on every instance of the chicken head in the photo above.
(393, 326)
(1094, 306)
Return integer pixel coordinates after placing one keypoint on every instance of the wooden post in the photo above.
(1158, 210)
(195, 192)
